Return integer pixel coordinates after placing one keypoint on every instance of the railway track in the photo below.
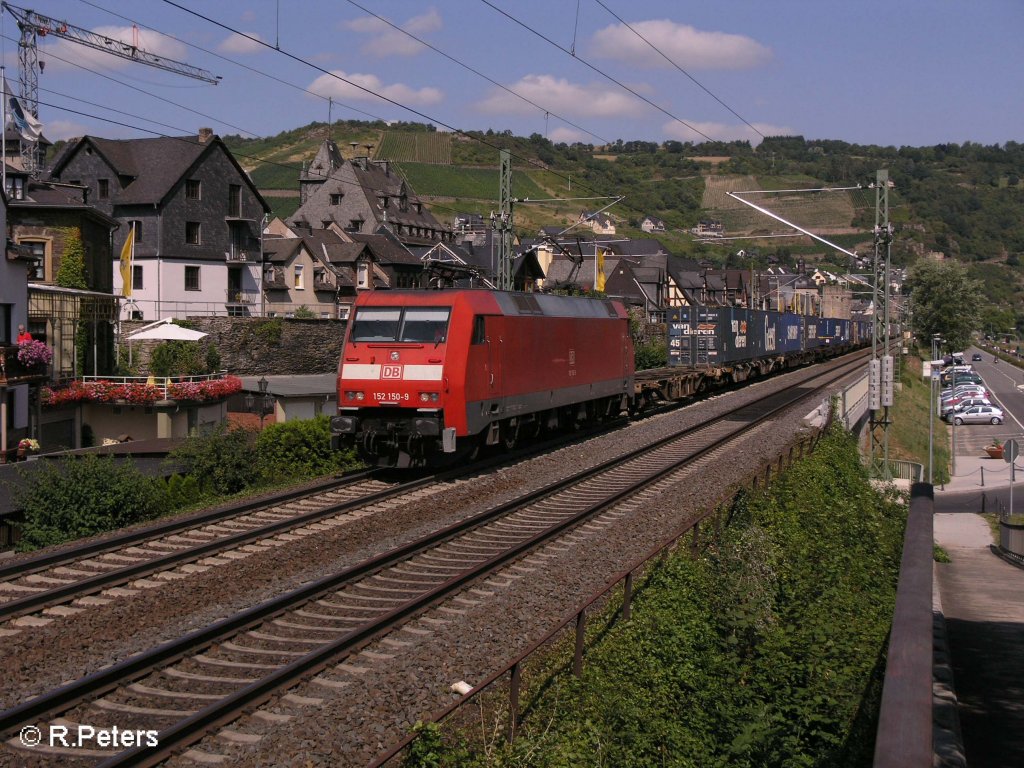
(203, 681)
(35, 584)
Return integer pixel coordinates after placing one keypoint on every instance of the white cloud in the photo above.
(55, 130)
(594, 100)
(326, 85)
(723, 131)
(147, 40)
(688, 47)
(388, 41)
(236, 43)
(568, 136)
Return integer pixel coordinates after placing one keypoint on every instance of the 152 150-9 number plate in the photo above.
(390, 397)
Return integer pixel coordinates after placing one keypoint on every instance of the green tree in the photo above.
(946, 302)
(71, 273)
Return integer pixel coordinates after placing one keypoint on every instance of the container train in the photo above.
(431, 377)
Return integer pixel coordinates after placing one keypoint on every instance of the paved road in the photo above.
(980, 593)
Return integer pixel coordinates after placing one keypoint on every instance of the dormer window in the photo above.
(336, 198)
(16, 187)
(384, 202)
(355, 225)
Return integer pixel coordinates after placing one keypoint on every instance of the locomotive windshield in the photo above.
(411, 324)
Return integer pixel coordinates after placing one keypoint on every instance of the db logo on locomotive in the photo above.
(391, 371)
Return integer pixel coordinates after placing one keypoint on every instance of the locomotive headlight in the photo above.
(360, 396)
(354, 395)
(428, 397)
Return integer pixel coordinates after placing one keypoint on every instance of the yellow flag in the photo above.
(599, 271)
(126, 263)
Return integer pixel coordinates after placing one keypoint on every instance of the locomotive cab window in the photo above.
(376, 324)
(424, 325)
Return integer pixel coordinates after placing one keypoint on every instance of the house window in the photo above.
(355, 225)
(234, 200)
(193, 189)
(300, 283)
(104, 185)
(336, 198)
(384, 202)
(37, 267)
(16, 187)
(137, 277)
(192, 232)
(191, 278)
(137, 226)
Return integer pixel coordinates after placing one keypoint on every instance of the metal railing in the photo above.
(905, 723)
(906, 470)
(163, 384)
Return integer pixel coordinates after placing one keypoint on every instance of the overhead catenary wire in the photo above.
(586, 63)
(347, 81)
(476, 72)
(674, 64)
(231, 61)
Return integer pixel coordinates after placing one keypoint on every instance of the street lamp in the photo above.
(266, 401)
(936, 340)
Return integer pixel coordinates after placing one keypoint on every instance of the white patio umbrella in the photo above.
(165, 330)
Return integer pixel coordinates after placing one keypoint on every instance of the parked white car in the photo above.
(963, 405)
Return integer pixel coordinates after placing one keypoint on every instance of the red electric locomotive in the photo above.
(429, 375)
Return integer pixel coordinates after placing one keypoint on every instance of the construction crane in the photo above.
(35, 25)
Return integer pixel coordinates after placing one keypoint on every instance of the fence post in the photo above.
(577, 659)
(513, 701)
(695, 539)
(627, 596)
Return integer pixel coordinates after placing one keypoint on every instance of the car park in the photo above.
(961, 377)
(962, 393)
(979, 414)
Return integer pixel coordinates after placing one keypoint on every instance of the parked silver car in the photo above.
(963, 405)
(979, 414)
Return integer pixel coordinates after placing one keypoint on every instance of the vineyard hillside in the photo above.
(824, 212)
(416, 147)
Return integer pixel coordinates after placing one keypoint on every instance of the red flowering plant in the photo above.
(139, 393)
(199, 391)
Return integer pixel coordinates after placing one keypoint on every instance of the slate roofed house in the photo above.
(600, 223)
(324, 269)
(360, 196)
(195, 214)
(43, 221)
(652, 224)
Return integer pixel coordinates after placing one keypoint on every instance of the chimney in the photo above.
(205, 134)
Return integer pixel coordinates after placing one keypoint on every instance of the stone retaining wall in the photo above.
(251, 346)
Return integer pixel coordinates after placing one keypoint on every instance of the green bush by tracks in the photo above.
(86, 495)
(74, 498)
(297, 449)
(764, 651)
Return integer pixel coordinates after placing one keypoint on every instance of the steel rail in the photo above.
(218, 514)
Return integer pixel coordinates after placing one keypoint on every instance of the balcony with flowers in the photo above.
(24, 363)
(150, 391)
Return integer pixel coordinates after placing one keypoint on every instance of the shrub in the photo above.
(269, 331)
(183, 491)
(651, 354)
(83, 496)
(219, 458)
(299, 449)
(178, 358)
(304, 313)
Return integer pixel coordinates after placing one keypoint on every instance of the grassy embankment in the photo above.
(743, 656)
(908, 435)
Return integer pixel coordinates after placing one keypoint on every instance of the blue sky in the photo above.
(912, 72)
